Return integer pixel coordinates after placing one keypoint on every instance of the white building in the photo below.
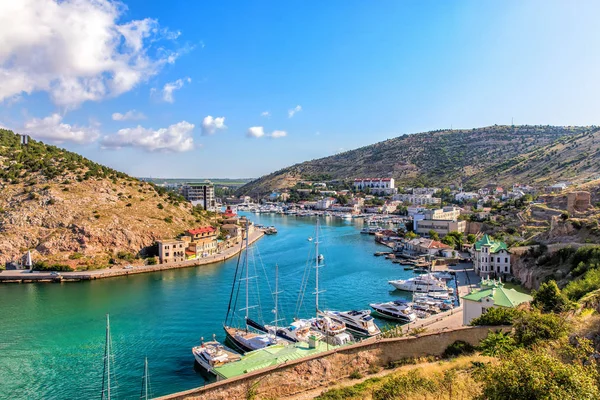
(491, 258)
(426, 190)
(465, 196)
(417, 199)
(449, 213)
(380, 186)
(200, 193)
(324, 203)
(492, 294)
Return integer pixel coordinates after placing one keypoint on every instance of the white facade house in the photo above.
(465, 196)
(491, 258)
(492, 294)
(324, 203)
(417, 199)
(380, 186)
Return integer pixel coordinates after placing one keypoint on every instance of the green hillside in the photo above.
(466, 156)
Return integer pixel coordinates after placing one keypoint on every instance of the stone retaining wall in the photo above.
(301, 375)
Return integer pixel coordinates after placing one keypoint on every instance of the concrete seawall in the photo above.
(319, 370)
(24, 276)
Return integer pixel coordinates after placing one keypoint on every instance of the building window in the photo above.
(506, 260)
(167, 255)
(506, 269)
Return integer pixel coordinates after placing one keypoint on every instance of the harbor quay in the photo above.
(27, 276)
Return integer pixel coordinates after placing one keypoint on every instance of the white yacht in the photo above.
(396, 310)
(213, 354)
(423, 284)
(358, 322)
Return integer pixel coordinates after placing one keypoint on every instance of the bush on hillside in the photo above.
(458, 348)
(534, 327)
(496, 316)
(549, 298)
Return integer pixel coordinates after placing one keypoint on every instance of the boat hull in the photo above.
(391, 315)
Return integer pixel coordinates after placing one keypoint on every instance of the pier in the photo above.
(26, 276)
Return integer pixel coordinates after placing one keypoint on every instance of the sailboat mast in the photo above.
(247, 276)
(144, 395)
(106, 393)
(317, 269)
(276, 294)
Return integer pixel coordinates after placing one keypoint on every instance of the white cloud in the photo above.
(278, 134)
(175, 138)
(265, 114)
(52, 129)
(211, 125)
(293, 111)
(169, 88)
(131, 115)
(76, 50)
(256, 132)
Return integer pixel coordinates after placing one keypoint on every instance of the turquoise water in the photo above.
(52, 335)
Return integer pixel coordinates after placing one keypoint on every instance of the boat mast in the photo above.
(247, 277)
(276, 295)
(106, 378)
(144, 394)
(317, 269)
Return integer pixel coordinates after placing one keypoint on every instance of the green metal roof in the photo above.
(502, 297)
(268, 357)
(495, 245)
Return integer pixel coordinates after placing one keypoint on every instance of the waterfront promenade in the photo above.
(25, 276)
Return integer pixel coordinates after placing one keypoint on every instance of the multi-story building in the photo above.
(324, 204)
(171, 250)
(417, 199)
(202, 241)
(446, 213)
(465, 196)
(200, 193)
(441, 227)
(425, 190)
(380, 186)
(491, 258)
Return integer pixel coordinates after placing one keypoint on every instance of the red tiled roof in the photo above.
(202, 229)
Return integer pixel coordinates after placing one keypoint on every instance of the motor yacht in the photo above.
(358, 322)
(396, 310)
(424, 283)
(213, 354)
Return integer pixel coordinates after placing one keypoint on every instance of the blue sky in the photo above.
(355, 72)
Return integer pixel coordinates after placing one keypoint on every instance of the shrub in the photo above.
(160, 206)
(537, 375)
(497, 344)
(550, 299)
(151, 261)
(458, 348)
(534, 327)
(128, 205)
(75, 256)
(44, 266)
(588, 283)
(496, 316)
(169, 219)
(355, 375)
(125, 255)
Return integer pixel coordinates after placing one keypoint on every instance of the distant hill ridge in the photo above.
(58, 203)
(504, 154)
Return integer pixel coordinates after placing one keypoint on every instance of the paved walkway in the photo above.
(27, 276)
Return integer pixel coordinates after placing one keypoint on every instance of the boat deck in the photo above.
(268, 357)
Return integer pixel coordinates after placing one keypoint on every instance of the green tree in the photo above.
(471, 238)
(433, 235)
(497, 344)
(534, 327)
(550, 299)
(497, 316)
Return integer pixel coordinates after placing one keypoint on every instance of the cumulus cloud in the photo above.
(211, 125)
(131, 115)
(278, 134)
(169, 88)
(52, 129)
(76, 50)
(175, 138)
(266, 114)
(293, 111)
(256, 132)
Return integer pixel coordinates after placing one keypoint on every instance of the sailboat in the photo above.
(334, 329)
(253, 336)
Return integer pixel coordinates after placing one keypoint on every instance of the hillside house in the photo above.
(171, 250)
(491, 258)
(380, 186)
(491, 294)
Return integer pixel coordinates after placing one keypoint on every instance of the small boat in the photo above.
(320, 257)
(310, 239)
(333, 329)
(407, 267)
(213, 354)
(396, 310)
(424, 283)
(358, 322)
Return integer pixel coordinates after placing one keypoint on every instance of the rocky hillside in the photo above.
(451, 156)
(71, 210)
